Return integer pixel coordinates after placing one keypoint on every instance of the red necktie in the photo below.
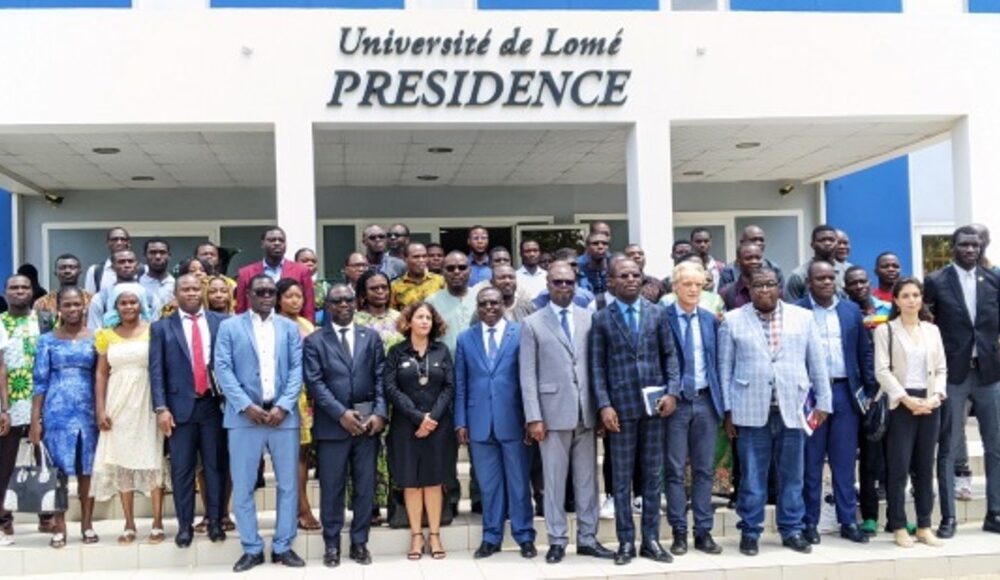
(198, 358)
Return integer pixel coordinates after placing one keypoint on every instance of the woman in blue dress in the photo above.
(62, 414)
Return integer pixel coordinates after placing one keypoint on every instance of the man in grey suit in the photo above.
(770, 356)
(560, 413)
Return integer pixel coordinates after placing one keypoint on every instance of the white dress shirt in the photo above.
(206, 337)
(569, 317)
(350, 336)
(700, 371)
(967, 278)
(830, 332)
(500, 326)
(263, 331)
(532, 284)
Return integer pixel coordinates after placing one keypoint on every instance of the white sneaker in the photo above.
(637, 505)
(6, 540)
(608, 508)
(963, 488)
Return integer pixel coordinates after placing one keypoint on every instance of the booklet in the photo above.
(809, 417)
(651, 396)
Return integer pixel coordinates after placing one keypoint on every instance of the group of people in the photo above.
(134, 378)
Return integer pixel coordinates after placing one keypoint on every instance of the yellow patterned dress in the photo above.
(305, 405)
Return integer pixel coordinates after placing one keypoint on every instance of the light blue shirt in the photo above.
(700, 374)
(624, 307)
(829, 329)
(273, 273)
(569, 317)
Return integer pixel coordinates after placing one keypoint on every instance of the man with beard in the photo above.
(824, 246)
(275, 266)
(374, 241)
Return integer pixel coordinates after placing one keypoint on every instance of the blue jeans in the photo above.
(691, 432)
(756, 446)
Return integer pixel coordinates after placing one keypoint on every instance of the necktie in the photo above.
(564, 322)
(630, 318)
(687, 380)
(198, 357)
(492, 346)
(345, 344)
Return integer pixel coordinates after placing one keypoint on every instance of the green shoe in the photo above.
(869, 527)
(911, 528)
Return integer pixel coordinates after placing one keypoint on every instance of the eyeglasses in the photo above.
(265, 292)
(394, 235)
(483, 303)
(376, 237)
(456, 268)
(358, 265)
(629, 276)
(759, 286)
(562, 283)
(339, 300)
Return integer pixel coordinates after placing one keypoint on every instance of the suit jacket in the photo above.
(171, 374)
(943, 295)
(488, 393)
(289, 269)
(859, 354)
(892, 369)
(620, 365)
(555, 377)
(237, 370)
(709, 326)
(337, 382)
(748, 371)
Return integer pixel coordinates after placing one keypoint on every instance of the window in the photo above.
(936, 251)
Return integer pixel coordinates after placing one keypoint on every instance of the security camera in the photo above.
(786, 189)
(54, 199)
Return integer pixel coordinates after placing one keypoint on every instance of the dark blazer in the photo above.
(336, 382)
(488, 393)
(620, 367)
(171, 375)
(943, 295)
(709, 326)
(859, 354)
(289, 269)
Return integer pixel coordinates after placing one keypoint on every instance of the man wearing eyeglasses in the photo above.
(374, 239)
(399, 239)
(103, 275)
(770, 356)
(456, 304)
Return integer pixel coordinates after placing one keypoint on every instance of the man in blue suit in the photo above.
(344, 365)
(489, 418)
(850, 364)
(258, 363)
(693, 427)
(631, 348)
(188, 409)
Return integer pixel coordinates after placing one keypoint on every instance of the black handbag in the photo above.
(876, 417)
(37, 486)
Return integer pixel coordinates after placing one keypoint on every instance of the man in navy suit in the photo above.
(489, 418)
(631, 347)
(692, 428)
(258, 363)
(344, 366)
(849, 361)
(187, 409)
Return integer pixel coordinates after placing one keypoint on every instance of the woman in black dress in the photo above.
(419, 382)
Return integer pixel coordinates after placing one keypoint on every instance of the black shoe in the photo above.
(216, 533)
(570, 507)
(946, 529)
(248, 561)
(679, 546)
(528, 550)
(289, 558)
(624, 554)
(555, 554)
(486, 550)
(477, 507)
(797, 542)
(854, 534)
(992, 522)
(595, 551)
(539, 509)
(184, 537)
(748, 546)
(331, 557)
(654, 551)
(705, 543)
(811, 535)
(360, 554)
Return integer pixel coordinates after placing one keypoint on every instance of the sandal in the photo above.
(309, 524)
(90, 536)
(156, 536)
(58, 540)
(127, 537)
(417, 554)
(437, 554)
(227, 524)
(201, 527)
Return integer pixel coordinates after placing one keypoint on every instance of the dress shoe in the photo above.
(854, 534)
(595, 551)
(811, 535)
(184, 537)
(797, 542)
(625, 554)
(528, 550)
(946, 529)
(705, 543)
(485, 550)
(248, 561)
(926, 536)
(654, 551)
(360, 554)
(748, 546)
(679, 546)
(289, 558)
(477, 507)
(539, 509)
(216, 533)
(555, 554)
(331, 556)
(992, 522)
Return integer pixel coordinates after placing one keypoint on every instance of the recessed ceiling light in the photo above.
(747, 145)
(440, 150)
(143, 178)
(106, 150)
(427, 177)
(693, 173)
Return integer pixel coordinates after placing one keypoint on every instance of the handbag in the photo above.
(876, 417)
(36, 486)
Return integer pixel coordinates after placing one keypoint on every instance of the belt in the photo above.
(838, 380)
(916, 392)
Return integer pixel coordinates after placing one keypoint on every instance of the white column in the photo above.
(650, 193)
(975, 141)
(295, 183)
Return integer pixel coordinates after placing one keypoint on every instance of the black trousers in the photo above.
(911, 443)
(9, 445)
(202, 435)
(871, 472)
(334, 456)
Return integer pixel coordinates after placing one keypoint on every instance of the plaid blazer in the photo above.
(620, 365)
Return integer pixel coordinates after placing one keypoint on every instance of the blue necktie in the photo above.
(564, 322)
(492, 342)
(630, 318)
(687, 380)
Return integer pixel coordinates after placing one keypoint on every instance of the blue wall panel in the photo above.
(984, 6)
(569, 4)
(819, 5)
(65, 3)
(308, 4)
(873, 207)
(6, 238)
